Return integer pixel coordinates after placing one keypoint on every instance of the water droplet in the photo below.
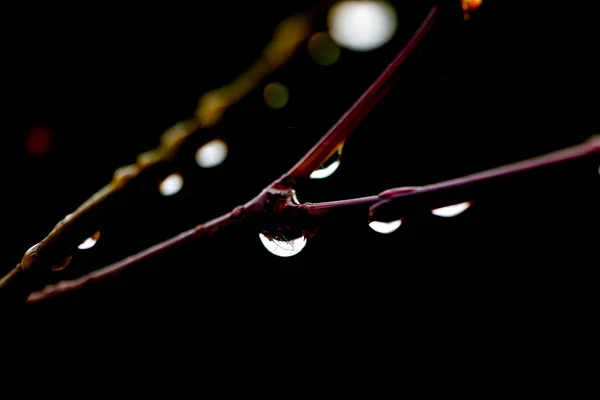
(451, 211)
(171, 185)
(211, 154)
(362, 25)
(385, 227)
(89, 242)
(62, 264)
(323, 49)
(328, 167)
(282, 247)
(276, 95)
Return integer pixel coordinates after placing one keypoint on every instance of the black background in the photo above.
(508, 84)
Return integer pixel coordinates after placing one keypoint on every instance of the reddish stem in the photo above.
(338, 133)
(386, 206)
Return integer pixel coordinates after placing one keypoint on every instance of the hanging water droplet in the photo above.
(328, 167)
(211, 154)
(451, 211)
(385, 227)
(89, 242)
(171, 185)
(282, 247)
(62, 264)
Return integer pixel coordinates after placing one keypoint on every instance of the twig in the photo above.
(331, 142)
(154, 165)
(387, 206)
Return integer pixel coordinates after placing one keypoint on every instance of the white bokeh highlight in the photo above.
(362, 25)
(212, 154)
(171, 185)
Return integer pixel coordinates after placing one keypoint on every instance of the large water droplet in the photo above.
(281, 247)
(211, 154)
(171, 185)
(89, 242)
(451, 211)
(328, 167)
(385, 227)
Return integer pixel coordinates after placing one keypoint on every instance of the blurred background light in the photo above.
(362, 25)
(211, 154)
(276, 95)
(323, 49)
(171, 185)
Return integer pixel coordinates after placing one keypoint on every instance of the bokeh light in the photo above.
(39, 140)
(276, 95)
(211, 154)
(171, 185)
(362, 25)
(323, 49)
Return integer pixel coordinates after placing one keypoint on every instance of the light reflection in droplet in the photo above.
(211, 154)
(385, 227)
(362, 25)
(171, 185)
(328, 167)
(89, 242)
(325, 172)
(283, 248)
(451, 211)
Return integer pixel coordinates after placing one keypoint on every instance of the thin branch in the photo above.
(387, 206)
(154, 165)
(334, 139)
(396, 202)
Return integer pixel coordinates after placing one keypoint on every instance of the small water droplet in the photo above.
(385, 227)
(281, 247)
(211, 154)
(171, 185)
(89, 242)
(62, 264)
(451, 211)
(328, 167)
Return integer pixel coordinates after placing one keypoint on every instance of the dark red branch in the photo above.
(338, 133)
(388, 205)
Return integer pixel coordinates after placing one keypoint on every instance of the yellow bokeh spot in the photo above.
(323, 49)
(276, 95)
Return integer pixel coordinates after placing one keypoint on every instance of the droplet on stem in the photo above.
(451, 211)
(385, 227)
(282, 247)
(171, 185)
(89, 242)
(328, 167)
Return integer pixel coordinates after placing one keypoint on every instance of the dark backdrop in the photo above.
(509, 84)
